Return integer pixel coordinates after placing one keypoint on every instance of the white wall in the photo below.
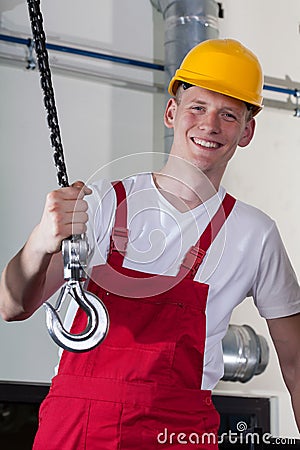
(100, 123)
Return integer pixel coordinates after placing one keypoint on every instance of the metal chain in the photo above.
(74, 249)
(39, 38)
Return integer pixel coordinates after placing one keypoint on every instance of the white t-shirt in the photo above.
(247, 258)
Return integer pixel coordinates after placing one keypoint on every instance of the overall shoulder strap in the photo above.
(196, 253)
(119, 235)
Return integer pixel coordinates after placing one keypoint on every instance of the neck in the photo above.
(183, 184)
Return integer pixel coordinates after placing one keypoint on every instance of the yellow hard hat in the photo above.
(224, 66)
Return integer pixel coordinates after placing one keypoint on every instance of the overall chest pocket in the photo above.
(141, 341)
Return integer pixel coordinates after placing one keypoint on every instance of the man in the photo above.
(193, 254)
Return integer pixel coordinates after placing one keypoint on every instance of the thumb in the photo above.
(82, 186)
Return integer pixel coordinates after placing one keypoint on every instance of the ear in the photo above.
(169, 115)
(248, 133)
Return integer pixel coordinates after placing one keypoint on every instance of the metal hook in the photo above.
(98, 320)
(75, 251)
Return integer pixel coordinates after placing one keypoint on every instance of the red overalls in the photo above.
(141, 388)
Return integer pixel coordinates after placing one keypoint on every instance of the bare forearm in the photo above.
(291, 375)
(285, 332)
(296, 404)
(22, 282)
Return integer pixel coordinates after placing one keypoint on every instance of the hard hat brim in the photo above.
(212, 84)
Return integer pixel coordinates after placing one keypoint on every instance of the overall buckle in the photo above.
(193, 259)
(119, 240)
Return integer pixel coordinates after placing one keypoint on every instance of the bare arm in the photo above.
(35, 273)
(23, 282)
(285, 333)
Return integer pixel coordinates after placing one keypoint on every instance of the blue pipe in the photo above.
(77, 51)
(120, 60)
(294, 92)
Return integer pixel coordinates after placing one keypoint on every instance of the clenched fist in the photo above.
(64, 214)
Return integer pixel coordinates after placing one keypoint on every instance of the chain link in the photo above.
(39, 38)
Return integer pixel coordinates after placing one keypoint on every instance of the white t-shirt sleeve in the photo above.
(101, 212)
(275, 291)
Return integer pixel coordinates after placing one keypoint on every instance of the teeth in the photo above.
(205, 143)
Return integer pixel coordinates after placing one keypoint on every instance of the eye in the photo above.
(197, 108)
(229, 117)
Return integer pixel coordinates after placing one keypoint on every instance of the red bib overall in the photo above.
(141, 388)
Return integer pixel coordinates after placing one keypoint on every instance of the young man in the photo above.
(193, 254)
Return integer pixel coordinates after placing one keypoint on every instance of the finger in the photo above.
(67, 193)
(68, 224)
(78, 217)
(82, 187)
(68, 220)
(71, 228)
(80, 206)
(79, 228)
(78, 184)
(70, 206)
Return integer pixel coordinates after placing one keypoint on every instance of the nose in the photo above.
(210, 122)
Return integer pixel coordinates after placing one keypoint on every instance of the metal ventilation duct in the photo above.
(245, 353)
(187, 22)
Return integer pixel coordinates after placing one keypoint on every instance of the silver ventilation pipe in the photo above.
(245, 353)
(187, 22)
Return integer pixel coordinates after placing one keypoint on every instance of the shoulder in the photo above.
(253, 231)
(100, 189)
(103, 194)
(139, 182)
(250, 219)
(102, 186)
(253, 214)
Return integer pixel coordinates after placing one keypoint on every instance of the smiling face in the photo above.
(208, 127)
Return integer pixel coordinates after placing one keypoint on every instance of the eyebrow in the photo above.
(200, 102)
